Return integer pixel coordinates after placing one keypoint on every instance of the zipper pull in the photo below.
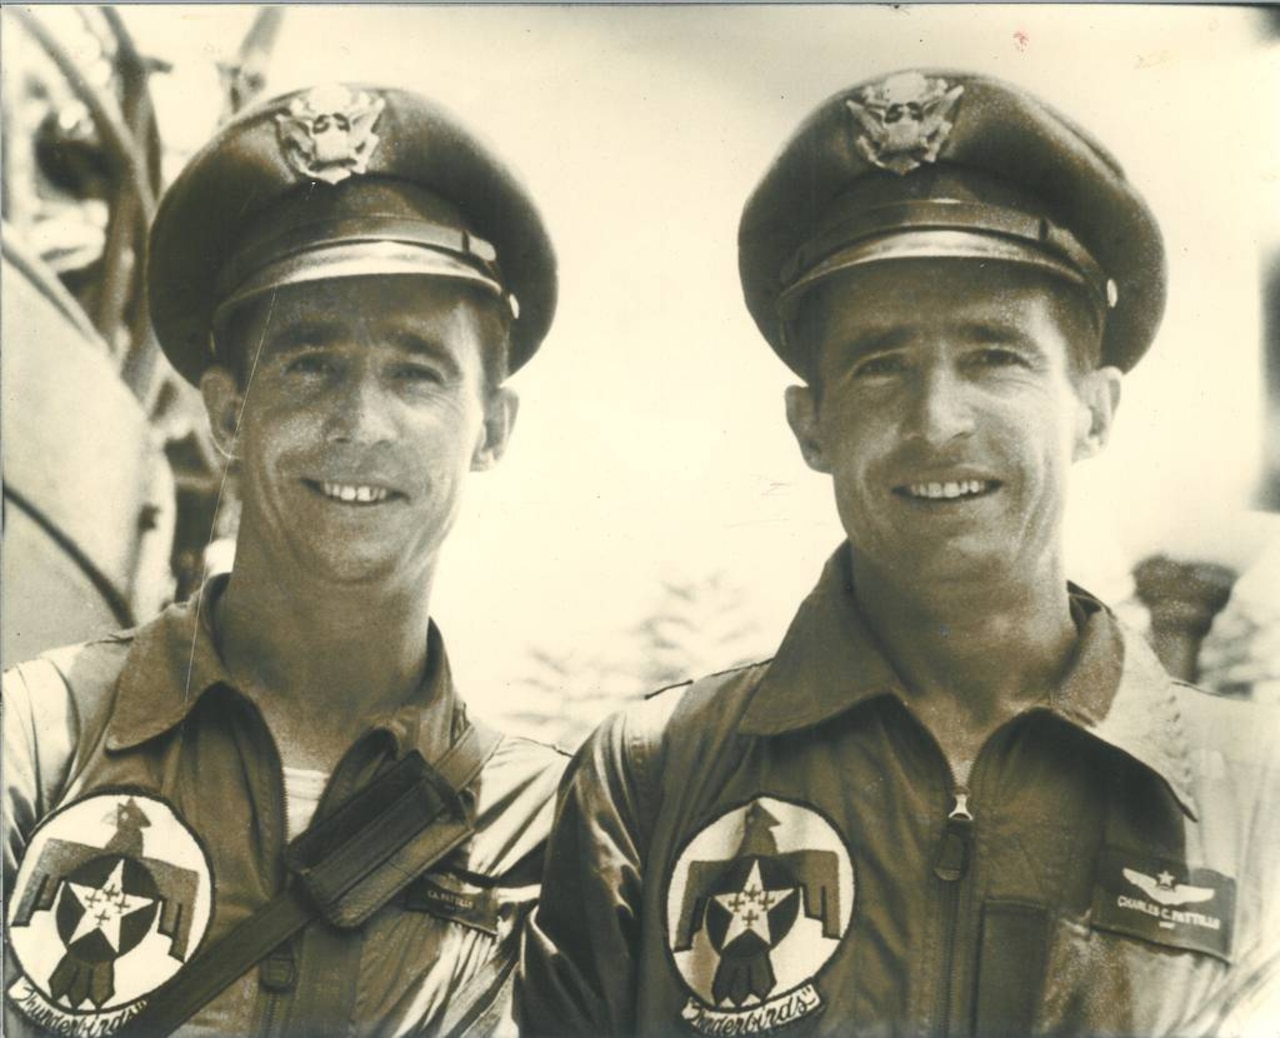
(952, 859)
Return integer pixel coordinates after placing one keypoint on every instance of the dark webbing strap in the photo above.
(345, 867)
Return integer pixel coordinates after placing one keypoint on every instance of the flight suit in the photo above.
(784, 846)
(137, 751)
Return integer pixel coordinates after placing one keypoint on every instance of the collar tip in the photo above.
(752, 727)
(115, 742)
(127, 737)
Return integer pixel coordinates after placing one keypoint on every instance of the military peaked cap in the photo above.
(338, 182)
(925, 164)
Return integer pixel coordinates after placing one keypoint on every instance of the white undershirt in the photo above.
(302, 789)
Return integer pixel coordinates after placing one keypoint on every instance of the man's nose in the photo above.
(361, 410)
(941, 409)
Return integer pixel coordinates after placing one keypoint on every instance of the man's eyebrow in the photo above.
(424, 346)
(877, 340)
(998, 333)
(298, 336)
(995, 331)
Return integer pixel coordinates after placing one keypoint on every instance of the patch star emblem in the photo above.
(904, 119)
(328, 133)
(113, 895)
(748, 909)
(103, 908)
(758, 902)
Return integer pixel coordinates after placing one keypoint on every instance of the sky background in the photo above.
(651, 444)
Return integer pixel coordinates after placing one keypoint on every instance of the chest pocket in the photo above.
(1154, 951)
(1013, 955)
(1134, 942)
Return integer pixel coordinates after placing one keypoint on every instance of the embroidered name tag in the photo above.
(1164, 902)
(455, 902)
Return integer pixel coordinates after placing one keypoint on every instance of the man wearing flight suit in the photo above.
(267, 811)
(961, 799)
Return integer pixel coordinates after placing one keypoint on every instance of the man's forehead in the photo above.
(925, 291)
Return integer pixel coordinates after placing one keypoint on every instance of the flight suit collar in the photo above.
(1115, 688)
(174, 662)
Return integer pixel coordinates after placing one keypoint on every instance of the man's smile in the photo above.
(352, 493)
(948, 490)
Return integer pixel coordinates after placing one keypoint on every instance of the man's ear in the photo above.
(1098, 394)
(222, 402)
(499, 419)
(802, 416)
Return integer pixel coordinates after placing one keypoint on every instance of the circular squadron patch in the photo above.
(113, 896)
(758, 902)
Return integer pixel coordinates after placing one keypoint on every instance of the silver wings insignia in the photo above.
(1167, 892)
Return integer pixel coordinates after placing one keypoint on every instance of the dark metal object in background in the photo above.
(93, 417)
(1183, 598)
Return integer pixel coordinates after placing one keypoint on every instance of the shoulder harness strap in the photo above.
(344, 868)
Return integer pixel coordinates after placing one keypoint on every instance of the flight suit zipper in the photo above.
(951, 865)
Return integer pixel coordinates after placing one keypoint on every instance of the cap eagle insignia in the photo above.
(328, 132)
(905, 120)
(105, 901)
(749, 903)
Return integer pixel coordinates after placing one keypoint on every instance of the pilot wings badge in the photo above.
(113, 895)
(758, 902)
(1163, 889)
(1164, 901)
(905, 120)
(328, 133)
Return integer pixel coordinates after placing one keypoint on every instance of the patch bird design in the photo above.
(749, 903)
(105, 901)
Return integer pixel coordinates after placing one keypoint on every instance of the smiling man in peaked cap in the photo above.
(961, 799)
(267, 811)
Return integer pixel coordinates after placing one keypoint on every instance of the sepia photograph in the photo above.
(657, 519)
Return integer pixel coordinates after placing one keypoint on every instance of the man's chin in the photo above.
(939, 561)
(355, 569)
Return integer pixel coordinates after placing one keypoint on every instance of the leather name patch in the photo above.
(1165, 902)
(454, 901)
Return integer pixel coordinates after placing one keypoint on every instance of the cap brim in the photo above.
(930, 244)
(359, 259)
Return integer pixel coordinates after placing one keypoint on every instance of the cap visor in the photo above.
(359, 259)
(931, 244)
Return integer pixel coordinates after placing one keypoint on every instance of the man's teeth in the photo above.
(941, 491)
(347, 492)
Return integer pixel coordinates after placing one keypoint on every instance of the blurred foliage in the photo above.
(693, 628)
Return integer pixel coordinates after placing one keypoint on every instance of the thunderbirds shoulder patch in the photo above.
(113, 895)
(758, 902)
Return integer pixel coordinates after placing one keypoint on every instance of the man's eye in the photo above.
(419, 373)
(999, 357)
(309, 364)
(876, 367)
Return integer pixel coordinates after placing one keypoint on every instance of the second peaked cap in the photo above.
(335, 182)
(945, 164)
